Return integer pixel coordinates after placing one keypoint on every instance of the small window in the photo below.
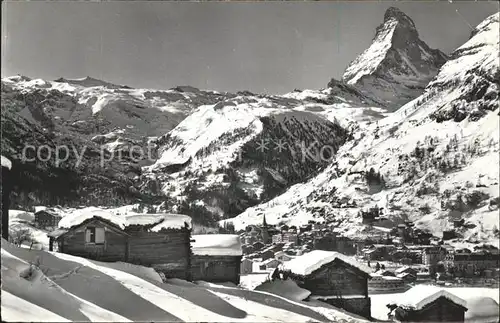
(90, 235)
(94, 235)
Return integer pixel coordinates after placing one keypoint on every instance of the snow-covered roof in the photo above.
(80, 215)
(216, 245)
(6, 162)
(52, 210)
(270, 260)
(311, 261)
(162, 221)
(421, 295)
(57, 233)
(40, 208)
(379, 276)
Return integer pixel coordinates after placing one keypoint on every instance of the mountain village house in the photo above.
(332, 277)
(432, 256)
(281, 256)
(428, 304)
(161, 241)
(47, 219)
(216, 258)
(246, 266)
(468, 264)
(332, 242)
(407, 274)
(385, 283)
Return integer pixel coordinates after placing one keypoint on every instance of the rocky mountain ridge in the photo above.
(398, 64)
(430, 162)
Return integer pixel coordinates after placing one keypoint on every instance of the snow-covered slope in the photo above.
(428, 166)
(47, 286)
(342, 103)
(398, 64)
(141, 127)
(77, 176)
(6, 162)
(108, 126)
(231, 155)
(109, 114)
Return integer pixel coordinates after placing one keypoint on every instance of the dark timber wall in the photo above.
(44, 219)
(167, 251)
(113, 249)
(358, 305)
(441, 310)
(336, 278)
(216, 268)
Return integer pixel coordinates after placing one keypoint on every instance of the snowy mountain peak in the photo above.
(434, 155)
(398, 64)
(394, 13)
(89, 81)
(475, 67)
(487, 24)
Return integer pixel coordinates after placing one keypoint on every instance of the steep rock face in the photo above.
(412, 164)
(471, 77)
(398, 64)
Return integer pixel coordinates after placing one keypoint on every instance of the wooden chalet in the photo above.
(47, 219)
(161, 241)
(428, 304)
(406, 269)
(246, 266)
(332, 277)
(216, 258)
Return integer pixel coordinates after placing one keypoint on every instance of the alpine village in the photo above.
(398, 224)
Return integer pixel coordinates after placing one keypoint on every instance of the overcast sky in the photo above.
(270, 47)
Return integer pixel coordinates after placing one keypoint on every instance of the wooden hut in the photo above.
(161, 241)
(94, 238)
(47, 219)
(428, 304)
(216, 258)
(332, 277)
(246, 266)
